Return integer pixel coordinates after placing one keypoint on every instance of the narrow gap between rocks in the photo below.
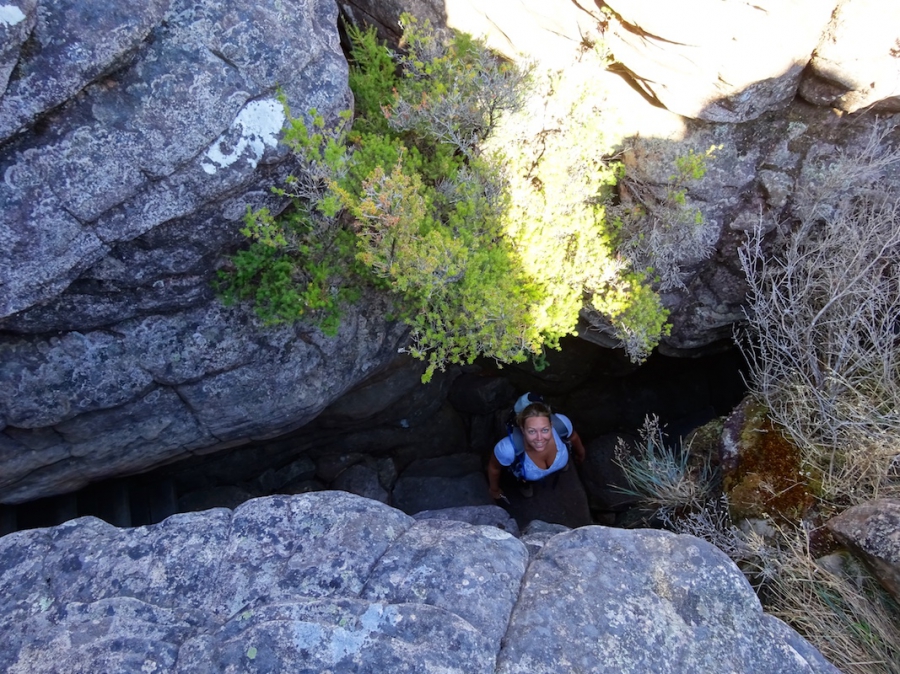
(424, 447)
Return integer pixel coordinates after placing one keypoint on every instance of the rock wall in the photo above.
(334, 582)
(133, 138)
(769, 82)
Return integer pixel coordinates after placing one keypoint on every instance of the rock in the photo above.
(480, 394)
(329, 466)
(228, 496)
(363, 481)
(84, 407)
(538, 532)
(396, 396)
(487, 515)
(872, 532)
(16, 25)
(303, 487)
(726, 62)
(134, 139)
(293, 583)
(333, 582)
(761, 469)
(644, 601)
(271, 480)
(445, 482)
(603, 478)
(424, 566)
(757, 177)
(855, 63)
(157, 115)
(375, 396)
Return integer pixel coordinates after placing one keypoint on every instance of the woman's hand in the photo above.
(496, 493)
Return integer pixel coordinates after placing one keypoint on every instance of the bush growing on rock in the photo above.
(823, 324)
(482, 215)
(822, 344)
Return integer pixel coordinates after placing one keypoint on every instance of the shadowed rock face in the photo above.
(331, 581)
(132, 140)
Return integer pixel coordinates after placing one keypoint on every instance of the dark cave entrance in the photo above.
(424, 447)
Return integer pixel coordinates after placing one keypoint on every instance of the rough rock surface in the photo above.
(132, 140)
(857, 62)
(608, 600)
(872, 531)
(487, 515)
(723, 74)
(757, 170)
(331, 581)
(723, 62)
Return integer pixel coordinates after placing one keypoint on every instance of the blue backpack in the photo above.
(515, 433)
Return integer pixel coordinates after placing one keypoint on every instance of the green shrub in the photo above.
(664, 474)
(483, 217)
(658, 229)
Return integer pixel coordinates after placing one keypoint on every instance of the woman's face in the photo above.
(538, 433)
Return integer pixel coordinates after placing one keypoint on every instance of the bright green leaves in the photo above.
(481, 217)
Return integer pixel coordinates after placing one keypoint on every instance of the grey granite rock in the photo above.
(855, 64)
(334, 582)
(471, 571)
(134, 137)
(872, 531)
(82, 407)
(445, 482)
(362, 480)
(607, 600)
(485, 515)
(17, 20)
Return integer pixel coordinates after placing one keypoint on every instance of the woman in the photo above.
(542, 452)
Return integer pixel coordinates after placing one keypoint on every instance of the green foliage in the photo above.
(484, 220)
(658, 229)
(664, 474)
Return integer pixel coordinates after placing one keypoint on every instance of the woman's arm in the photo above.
(577, 447)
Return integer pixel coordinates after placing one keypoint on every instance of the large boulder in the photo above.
(872, 531)
(608, 600)
(756, 179)
(334, 582)
(725, 61)
(856, 63)
(134, 137)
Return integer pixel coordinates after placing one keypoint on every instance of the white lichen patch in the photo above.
(10, 15)
(256, 127)
(495, 534)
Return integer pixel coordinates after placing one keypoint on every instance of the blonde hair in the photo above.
(533, 410)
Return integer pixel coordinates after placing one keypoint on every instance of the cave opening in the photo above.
(424, 447)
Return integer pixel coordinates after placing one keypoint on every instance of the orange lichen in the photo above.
(769, 479)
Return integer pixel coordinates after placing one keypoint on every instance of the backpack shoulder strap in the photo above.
(515, 437)
(561, 430)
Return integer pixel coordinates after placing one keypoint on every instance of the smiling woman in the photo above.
(539, 447)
